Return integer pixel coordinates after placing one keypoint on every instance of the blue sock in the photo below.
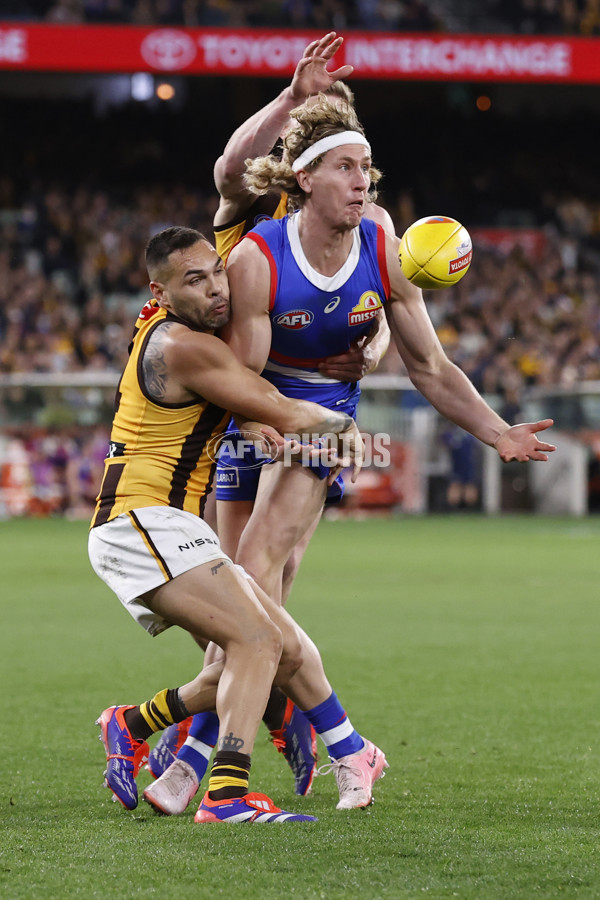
(200, 742)
(335, 728)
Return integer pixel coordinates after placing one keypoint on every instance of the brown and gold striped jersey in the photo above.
(271, 206)
(158, 453)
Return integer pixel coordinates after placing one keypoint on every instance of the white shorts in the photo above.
(142, 549)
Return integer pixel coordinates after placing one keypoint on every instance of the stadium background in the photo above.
(94, 163)
(477, 666)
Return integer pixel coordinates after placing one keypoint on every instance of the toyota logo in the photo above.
(168, 50)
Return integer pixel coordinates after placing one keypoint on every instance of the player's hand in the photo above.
(356, 362)
(311, 75)
(351, 452)
(521, 442)
(275, 444)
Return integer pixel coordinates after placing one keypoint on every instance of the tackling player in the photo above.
(150, 545)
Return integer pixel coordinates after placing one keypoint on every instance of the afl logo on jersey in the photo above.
(366, 308)
(295, 319)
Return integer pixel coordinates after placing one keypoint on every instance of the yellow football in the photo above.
(435, 252)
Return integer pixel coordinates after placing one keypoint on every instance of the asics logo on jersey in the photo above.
(333, 304)
(295, 319)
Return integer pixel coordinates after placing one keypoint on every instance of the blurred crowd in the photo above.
(73, 227)
(72, 278)
(574, 17)
(415, 15)
(577, 17)
(72, 272)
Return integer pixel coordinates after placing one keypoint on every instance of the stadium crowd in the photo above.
(576, 17)
(72, 278)
(71, 281)
(413, 15)
(77, 209)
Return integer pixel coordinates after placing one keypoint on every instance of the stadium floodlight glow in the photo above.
(142, 86)
(165, 91)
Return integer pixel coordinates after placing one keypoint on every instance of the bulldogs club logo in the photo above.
(366, 308)
(168, 50)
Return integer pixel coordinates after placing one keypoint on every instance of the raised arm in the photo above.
(445, 386)
(257, 135)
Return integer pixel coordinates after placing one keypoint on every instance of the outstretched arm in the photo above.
(445, 386)
(257, 135)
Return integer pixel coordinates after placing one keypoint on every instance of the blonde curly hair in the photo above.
(311, 123)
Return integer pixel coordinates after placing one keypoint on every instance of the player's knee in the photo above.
(269, 639)
(292, 657)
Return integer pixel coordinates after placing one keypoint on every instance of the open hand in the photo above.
(311, 75)
(521, 442)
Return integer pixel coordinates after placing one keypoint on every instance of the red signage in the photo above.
(532, 241)
(218, 51)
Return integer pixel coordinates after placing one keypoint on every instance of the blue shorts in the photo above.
(238, 474)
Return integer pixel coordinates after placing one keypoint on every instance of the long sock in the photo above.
(229, 775)
(275, 711)
(200, 742)
(335, 728)
(163, 710)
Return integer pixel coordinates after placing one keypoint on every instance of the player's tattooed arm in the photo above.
(154, 366)
(334, 423)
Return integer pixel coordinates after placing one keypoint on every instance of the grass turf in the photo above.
(466, 647)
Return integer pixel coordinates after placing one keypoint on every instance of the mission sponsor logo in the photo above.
(366, 308)
(295, 319)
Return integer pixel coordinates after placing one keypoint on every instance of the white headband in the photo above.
(328, 143)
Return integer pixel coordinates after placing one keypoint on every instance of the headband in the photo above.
(328, 143)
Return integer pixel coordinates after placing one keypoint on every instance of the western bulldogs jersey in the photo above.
(314, 316)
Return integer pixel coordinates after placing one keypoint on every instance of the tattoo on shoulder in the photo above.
(154, 367)
(215, 569)
(231, 742)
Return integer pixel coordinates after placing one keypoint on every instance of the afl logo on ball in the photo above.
(295, 319)
(168, 50)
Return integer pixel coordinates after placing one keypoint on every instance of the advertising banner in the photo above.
(245, 52)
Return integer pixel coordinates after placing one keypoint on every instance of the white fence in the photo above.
(414, 479)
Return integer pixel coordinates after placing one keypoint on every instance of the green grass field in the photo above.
(468, 649)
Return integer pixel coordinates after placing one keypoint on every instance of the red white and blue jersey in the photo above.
(315, 316)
